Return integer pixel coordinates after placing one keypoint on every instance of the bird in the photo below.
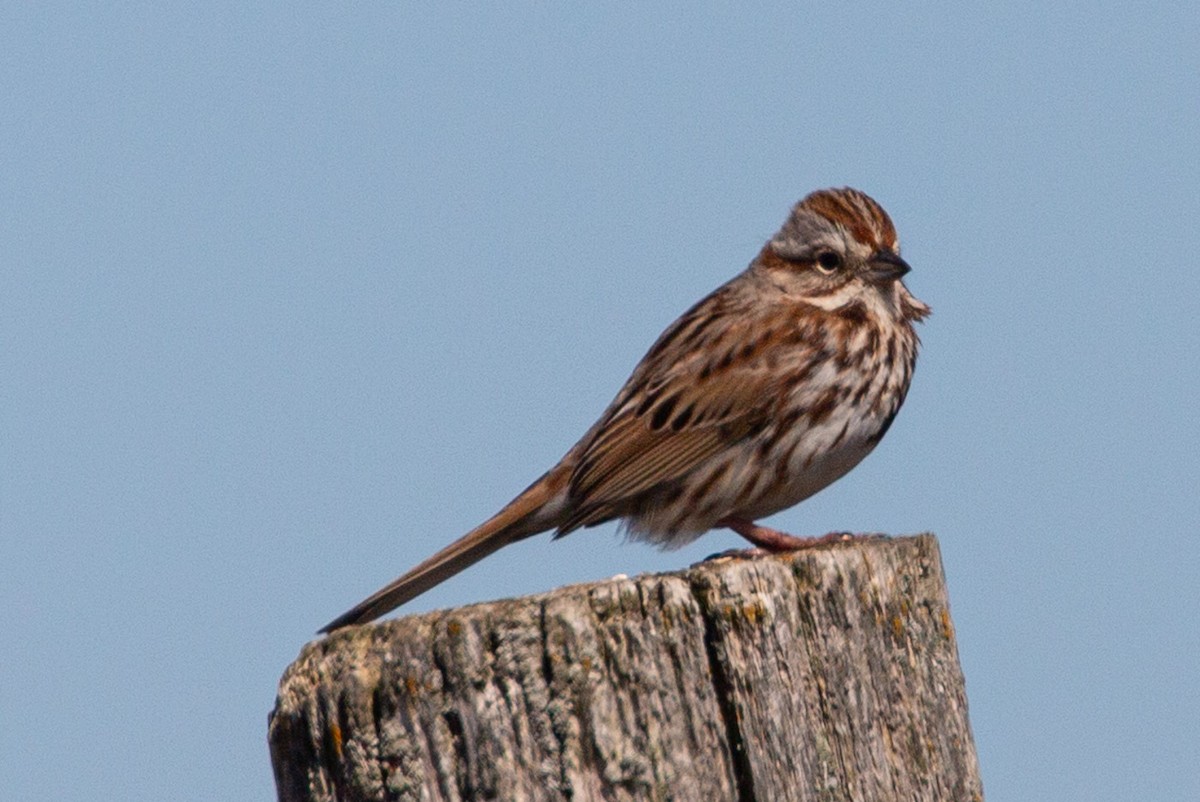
(764, 392)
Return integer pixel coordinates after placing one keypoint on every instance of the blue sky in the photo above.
(292, 296)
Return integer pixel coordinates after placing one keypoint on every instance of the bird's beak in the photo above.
(886, 266)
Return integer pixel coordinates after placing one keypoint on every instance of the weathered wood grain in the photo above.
(829, 674)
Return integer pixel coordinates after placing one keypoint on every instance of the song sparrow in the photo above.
(763, 393)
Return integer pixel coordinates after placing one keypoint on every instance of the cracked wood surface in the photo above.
(827, 674)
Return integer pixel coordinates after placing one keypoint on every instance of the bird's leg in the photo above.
(772, 540)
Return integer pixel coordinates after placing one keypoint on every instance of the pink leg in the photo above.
(773, 540)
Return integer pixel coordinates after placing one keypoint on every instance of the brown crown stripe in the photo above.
(861, 216)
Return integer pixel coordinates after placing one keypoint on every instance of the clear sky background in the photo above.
(291, 297)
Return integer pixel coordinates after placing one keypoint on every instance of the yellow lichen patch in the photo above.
(864, 598)
(754, 612)
(898, 626)
(412, 685)
(947, 627)
(335, 737)
(586, 663)
(454, 628)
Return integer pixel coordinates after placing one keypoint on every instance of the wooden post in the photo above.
(827, 674)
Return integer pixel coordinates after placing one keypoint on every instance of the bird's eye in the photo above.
(829, 261)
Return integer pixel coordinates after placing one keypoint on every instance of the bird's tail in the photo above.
(529, 513)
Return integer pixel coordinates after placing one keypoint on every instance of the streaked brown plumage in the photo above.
(763, 393)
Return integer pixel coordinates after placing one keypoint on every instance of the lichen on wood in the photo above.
(826, 674)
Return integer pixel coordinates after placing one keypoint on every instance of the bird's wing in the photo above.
(676, 413)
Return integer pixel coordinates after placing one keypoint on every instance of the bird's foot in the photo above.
(773, 541)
